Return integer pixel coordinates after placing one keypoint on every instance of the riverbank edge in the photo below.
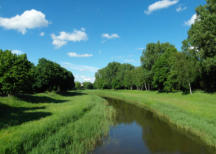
(186, 130)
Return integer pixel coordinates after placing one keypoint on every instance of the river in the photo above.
(138, 131)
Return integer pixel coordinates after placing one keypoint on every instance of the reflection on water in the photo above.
(137, 131)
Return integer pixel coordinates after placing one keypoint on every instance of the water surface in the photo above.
(138, 131)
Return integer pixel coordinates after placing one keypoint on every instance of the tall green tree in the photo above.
(15, 73)
(50, 76)
(150, 56)
(77, 85)
(140, 78)
(202, 39)
(88, 85)
(162, 69)
(186, 70)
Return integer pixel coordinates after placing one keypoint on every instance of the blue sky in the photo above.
(84, 35)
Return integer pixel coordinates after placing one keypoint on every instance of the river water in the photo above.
(137, 131)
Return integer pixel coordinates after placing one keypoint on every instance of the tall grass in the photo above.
(69, 123)
(190, 113)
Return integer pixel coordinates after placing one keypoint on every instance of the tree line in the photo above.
(164, 68)
(19, 75)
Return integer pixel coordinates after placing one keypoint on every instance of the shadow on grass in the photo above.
(71, 93)
(38, 99)
(11, 116)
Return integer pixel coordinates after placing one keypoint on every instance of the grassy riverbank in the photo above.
(52, 123)
(194, 113)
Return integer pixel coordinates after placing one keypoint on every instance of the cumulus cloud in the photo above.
(160, 5)
(110, 36)
(83, 78)
(191, 20)
(42, 34)
(74, 54)
(18, 52)
(81, 68)
(181, 8)
(29, 19)
(63, 38)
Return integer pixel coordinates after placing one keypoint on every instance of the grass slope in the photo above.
(194, 113)
(52, 123)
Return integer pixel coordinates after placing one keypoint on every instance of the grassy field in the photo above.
(53, 123)
(192, 113)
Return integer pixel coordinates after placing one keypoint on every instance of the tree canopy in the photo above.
(52, 77)
(15, 73)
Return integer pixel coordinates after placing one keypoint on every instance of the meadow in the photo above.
(76, 121)
(71, 122)
(193, 114)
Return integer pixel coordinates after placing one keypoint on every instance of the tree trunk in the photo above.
(149, 88)
(146, 87)
(190, 88)
(10, 95)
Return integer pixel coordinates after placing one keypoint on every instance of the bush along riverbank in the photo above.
(191, 113)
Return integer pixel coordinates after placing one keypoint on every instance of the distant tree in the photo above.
(140, 78)
(150, 56)
(106, 78)
(50, 76)
(129, 79)
(113, 76)
(15, 73)
(186, 70)
(162, 67)
(77, 85)
(88, 85)
(101, 81)
(124, 80)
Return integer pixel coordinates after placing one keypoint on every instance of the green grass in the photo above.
(191, 113)
(72, 122)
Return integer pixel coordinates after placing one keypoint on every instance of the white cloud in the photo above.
(181, 8)
(74, 54)
(160, 5)
(64, 37)
(42, 34)
(140, 48)
(18, 52)
(81, 68)
(191, 20)
(110, 36)
(29, 19)
(83, 78)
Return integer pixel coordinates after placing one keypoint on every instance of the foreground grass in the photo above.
(193, 113)
(52, 123)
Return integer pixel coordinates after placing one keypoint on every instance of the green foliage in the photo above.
(88, 85)
(78, 85)
(52, 77)
(202, 39)
(15, 73)
(114, 76)
(140, 78)
(162, 68)
(186, 69)
(150, 57)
